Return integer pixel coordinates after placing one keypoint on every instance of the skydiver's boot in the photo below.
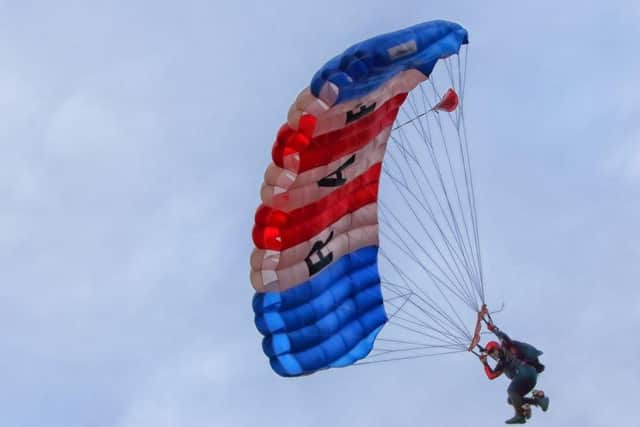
(541, 400)
(518, 418)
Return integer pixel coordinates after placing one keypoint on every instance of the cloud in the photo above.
(130, 166)
(187, 391)
(624, 159)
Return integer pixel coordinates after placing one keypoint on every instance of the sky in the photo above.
(133, 139)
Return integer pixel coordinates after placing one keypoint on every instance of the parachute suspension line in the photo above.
(426, 232)
(429, 307)
(434, 193)
(429, 255)
(466, 168)
(461, 131)
(425, 203)
(440, 321)
(465, 244)
(441, 179)
(402, 321)
(403, 246)
(465, 156)
(440, 327)
(429, 211)
(462, 136)
(473, 195)
(410, 121)
(425, 136)
(416, 320)
(370, 359)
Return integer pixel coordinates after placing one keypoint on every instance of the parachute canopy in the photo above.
(319, 300)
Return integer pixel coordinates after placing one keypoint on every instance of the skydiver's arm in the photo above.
(492, 374)
(503, 337)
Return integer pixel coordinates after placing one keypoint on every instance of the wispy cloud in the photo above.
(624, 159)
(132, 146)
(188, 390)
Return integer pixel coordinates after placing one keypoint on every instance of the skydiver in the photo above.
(519, 362)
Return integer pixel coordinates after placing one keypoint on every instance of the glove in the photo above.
(483, 359)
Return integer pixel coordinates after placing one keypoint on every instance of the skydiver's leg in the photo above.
(521, 384)
(538, 399)
(525, 399)
(541, 399)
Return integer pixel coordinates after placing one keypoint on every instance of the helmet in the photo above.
(492, 346)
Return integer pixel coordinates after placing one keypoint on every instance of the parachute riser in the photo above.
(476, 336)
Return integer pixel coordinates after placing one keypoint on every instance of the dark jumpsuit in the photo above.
(523, 375)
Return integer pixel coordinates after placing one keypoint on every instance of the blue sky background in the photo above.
(133, 138)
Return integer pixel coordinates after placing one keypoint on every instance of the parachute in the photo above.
(341, 275)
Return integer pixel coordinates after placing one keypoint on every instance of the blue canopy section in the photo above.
(367, 65)
(331, 320)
